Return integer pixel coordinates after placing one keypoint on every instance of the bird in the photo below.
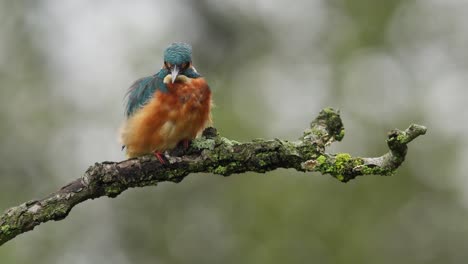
(169, 107)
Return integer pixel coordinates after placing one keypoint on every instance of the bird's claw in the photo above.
(186, 143)
(160, 157)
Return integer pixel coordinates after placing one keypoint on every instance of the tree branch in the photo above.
(214, 154)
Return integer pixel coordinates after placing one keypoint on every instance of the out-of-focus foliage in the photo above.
(272, 65)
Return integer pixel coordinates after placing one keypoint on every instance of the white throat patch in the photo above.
(180, 78)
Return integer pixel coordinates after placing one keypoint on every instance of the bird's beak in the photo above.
(174, 73)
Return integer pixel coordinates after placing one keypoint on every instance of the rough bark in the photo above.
(213, 154)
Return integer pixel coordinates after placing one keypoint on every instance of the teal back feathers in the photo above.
(143, 89)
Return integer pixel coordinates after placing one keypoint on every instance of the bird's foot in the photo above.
(160, 157)
(186, 143)
(181, 148)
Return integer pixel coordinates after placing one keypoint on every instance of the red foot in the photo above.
(186, 143)
(159, 156)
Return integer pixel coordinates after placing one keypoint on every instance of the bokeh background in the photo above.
(272, 65)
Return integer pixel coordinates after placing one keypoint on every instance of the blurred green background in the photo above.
(272, 65)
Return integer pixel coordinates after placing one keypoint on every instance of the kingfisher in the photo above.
(170, 107)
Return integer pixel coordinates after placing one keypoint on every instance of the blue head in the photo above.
(178, 59)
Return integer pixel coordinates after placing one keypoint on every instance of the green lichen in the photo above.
(290, 148)
(318, 132)
(223, 154)
(112, 190)
(366, 170)
(357, 162)
(402, 138)
(6, 229)
(329, 110)
(56, 210)
(220, 170)
(321, 160)
(341, 163)
(227, 169)
(341, 159)
(231, 142)
(341, 135)
(337, 167)
(263, 159)
(202, 143)
(333, 122)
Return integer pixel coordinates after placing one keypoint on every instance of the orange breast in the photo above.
(169, 118)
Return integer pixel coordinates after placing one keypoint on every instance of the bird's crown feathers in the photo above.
(178, 53)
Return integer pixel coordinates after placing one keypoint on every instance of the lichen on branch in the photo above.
(212, 153)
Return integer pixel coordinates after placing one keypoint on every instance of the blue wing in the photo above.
(143, 90)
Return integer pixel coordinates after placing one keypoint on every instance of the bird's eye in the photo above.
(184, 65)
